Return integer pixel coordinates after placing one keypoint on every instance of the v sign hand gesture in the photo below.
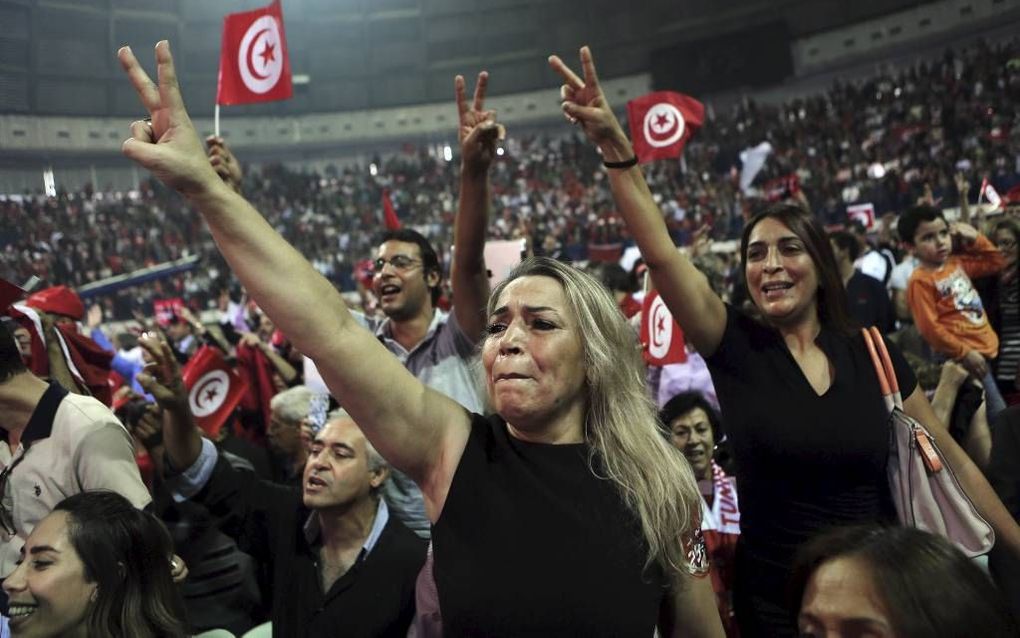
(477, 130)
(167, 144)
(585, 104)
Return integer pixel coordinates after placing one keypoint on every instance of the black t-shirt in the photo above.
(804, 462)
(531, 543)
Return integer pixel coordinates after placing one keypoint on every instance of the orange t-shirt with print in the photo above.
(947, 309)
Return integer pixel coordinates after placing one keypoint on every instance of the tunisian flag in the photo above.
(254, 66)
(662, 122)
(661, 338)
(214, 389)
(389, 215)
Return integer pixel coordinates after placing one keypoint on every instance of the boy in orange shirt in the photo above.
(947, 309)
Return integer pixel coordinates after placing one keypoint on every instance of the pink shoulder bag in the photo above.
(925, 491)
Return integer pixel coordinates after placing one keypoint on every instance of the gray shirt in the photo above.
(443, 360)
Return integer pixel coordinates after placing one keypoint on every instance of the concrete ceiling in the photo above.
(57, 57)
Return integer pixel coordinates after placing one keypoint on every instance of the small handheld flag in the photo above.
(662, 122)
(254, 65)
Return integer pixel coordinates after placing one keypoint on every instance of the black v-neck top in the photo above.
(531, 543)
(804, 462)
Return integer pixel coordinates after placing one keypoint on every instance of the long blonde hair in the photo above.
(654, 480)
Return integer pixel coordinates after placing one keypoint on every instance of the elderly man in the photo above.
(334, 556)
(290, 412)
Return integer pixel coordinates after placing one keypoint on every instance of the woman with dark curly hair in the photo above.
(96, 566)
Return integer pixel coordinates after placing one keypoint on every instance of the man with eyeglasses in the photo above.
(435, 346)
(53, 444)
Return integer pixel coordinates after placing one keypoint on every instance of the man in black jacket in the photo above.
(339, 564)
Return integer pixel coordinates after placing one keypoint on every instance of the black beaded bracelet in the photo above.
(627, 163)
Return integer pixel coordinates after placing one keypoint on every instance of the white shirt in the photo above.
(900, 276)
(72, 444)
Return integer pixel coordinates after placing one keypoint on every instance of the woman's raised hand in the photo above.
(166, 143)
(585, 104)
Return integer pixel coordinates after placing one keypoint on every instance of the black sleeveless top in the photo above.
(531, 543)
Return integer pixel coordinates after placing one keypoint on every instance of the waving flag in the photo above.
(214, 389)
(752, 160)
(988, 192)
(254, 66)
(662, 122)
(389, 214)
(661, 338)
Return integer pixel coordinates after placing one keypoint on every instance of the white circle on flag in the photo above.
(260, 57)
(664, 125)
(209, 393)
(660, 329)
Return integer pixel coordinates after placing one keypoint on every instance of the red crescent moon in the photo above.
(248, 56)
(201, 389)
(655, 334)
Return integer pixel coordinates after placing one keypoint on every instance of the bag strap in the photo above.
(891, 393)
(890, 371)
(883, 367)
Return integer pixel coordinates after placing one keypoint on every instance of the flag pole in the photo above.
(216, 120)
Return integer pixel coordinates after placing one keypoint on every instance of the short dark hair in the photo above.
(11, 362)
(683, 403)
(126, 552)
(929, 586)
(429, 258)
(615, 278)
(914, 217)
(846, 241)
(832, 304)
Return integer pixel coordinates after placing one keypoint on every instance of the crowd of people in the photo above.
(453, 456)
(921, 125)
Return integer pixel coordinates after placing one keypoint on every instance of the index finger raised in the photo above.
(147, 91)
(568, 76)
(458, 91)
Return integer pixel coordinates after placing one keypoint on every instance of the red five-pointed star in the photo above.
(211, 394)
(662, 324)
(267, 54)
(662, 121)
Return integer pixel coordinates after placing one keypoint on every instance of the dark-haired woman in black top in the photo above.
(802, 407)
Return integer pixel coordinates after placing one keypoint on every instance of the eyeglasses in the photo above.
(7, 515)
(1006, 244)
(400, 262)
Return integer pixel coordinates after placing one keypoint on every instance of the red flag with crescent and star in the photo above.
(662, 341)
(254, 65)
(661, 123)
(214, 388)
